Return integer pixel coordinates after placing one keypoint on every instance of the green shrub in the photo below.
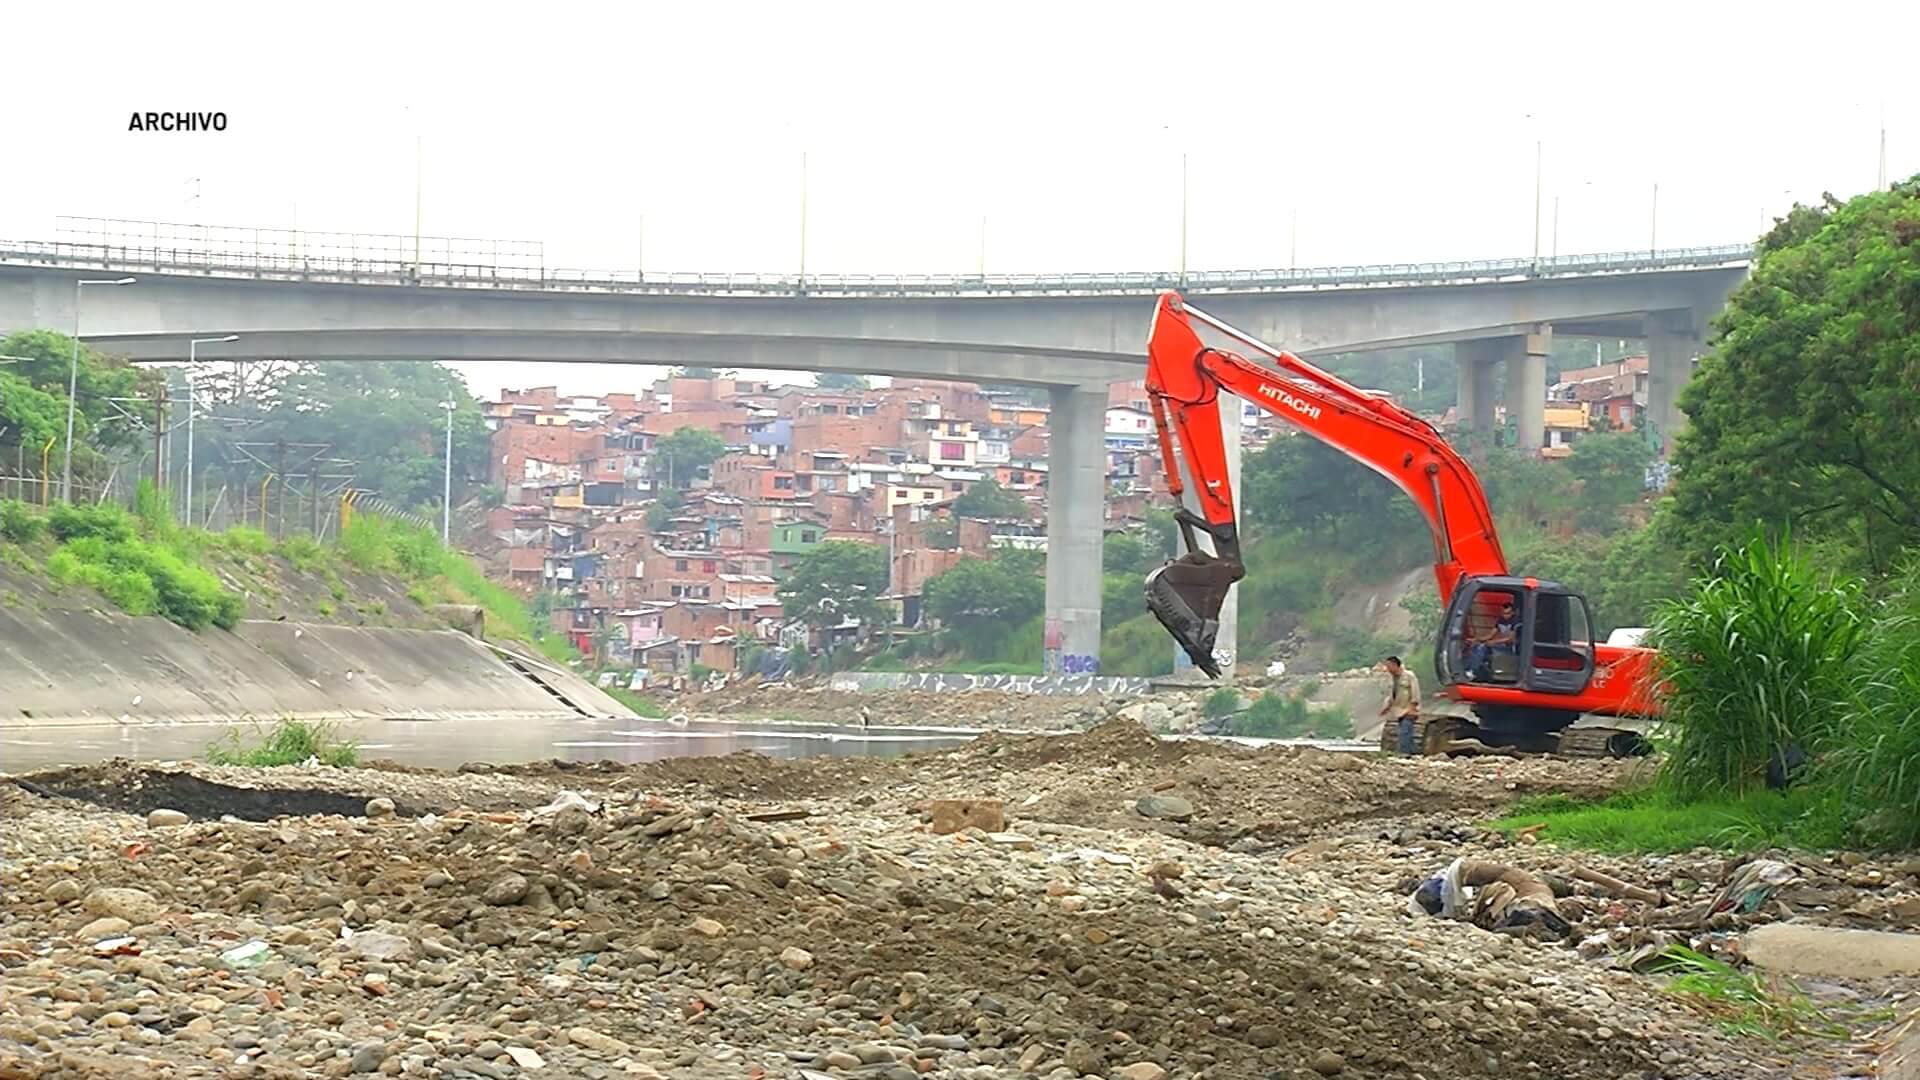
(143, 578)
(108, 522)
(639, 703)
(1222, 702)
(1759, 659)
(289, 742)
(1274, 716)
(19, 523)
(301, 552)
(248, 540)
(154, 511)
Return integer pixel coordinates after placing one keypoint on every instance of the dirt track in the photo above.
(668, 933)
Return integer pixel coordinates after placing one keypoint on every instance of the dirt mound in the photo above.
(137, 789)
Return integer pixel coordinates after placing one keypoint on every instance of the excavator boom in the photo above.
(1185, 379)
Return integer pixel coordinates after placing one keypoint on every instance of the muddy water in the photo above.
(447, 743)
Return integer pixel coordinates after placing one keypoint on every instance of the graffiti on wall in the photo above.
(941, 682)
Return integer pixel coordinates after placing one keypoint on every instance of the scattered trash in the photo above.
(1619, 888)
(569, 800)
(1091, 855)
(117, 946)
(779, 815)
(1752, 885)
(252, 954)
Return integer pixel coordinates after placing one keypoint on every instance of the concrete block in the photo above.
(1798, 949)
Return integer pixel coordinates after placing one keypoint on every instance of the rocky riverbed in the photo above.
(1146, 910)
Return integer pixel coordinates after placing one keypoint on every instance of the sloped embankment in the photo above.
(68, 666)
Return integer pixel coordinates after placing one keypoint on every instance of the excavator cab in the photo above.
(1551, 651)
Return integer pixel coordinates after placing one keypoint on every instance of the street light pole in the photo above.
(446, 484)
(73, 381)
(193, 345)
(1538, 182)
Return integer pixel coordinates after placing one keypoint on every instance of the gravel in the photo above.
(669, 935)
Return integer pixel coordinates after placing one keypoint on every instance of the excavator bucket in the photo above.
(1186, 595)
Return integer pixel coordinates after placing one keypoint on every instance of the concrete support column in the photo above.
(1076, 512)
(1673, 341)
(1526, 389)
(1226, 648)
(1475, 400)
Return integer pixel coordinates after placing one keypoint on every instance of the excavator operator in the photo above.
(1503, 638)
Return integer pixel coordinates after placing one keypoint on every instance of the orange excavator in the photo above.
(1526, 688)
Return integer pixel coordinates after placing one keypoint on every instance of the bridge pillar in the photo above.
(1674, 339)
(1526, 390)
(1076, 519)
(1475, 401)
(1226, 647)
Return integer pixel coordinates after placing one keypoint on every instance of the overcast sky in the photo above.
(1395, 132)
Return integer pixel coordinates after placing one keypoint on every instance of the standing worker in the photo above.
(1403, 701)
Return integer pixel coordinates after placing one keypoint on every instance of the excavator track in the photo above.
(1435, 735)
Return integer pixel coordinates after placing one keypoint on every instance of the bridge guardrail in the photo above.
(402, 272)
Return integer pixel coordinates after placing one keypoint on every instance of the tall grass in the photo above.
(289, 742)
(377, 543)
(1759, 662)
(1876, 765)
(1657, 819)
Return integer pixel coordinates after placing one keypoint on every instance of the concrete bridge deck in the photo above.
(1071, 333)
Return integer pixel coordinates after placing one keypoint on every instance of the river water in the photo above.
(448, 743)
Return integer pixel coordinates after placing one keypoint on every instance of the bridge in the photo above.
(348, 297)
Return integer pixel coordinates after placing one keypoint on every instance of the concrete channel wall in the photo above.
(93, 667)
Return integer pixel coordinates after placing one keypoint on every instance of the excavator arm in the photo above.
(1185, 377)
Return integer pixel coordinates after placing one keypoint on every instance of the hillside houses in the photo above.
(662, 572)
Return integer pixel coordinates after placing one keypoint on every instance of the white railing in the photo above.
(358, 259)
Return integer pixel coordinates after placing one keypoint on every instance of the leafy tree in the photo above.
(695, 371)
(661, 510)
(943, 533)
(836, 580)
(1003, 591)
(686, 451)
(1128, 553)
(1422, 379)
(1612, 470)
(1804, 413)
(387, 418)
(1298, 482)
(840, 380)
(986, 499)
(33, 402)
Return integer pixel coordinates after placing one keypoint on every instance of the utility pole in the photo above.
(1880, 184)
(1183, 221)
(280, 471)
(159, 438)
(73, 381)
(803, 219)
(419, 154)
(1538, 175)
(1653, 240)
(446, 487)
